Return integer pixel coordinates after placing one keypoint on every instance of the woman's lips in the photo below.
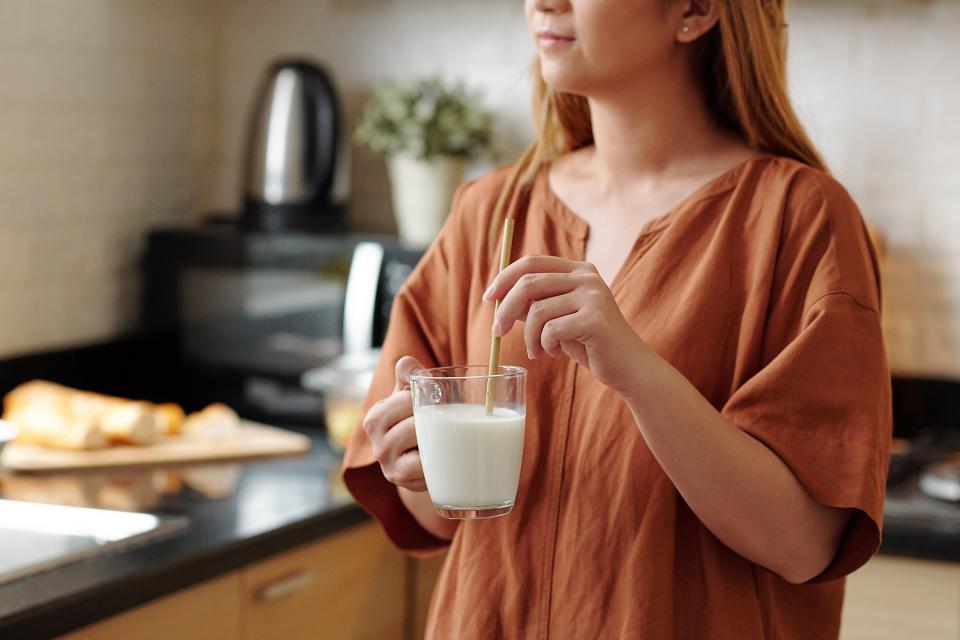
(550, 40)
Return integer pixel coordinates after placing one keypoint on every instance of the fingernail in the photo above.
(496, 328)
(529, 355)
(488, 293)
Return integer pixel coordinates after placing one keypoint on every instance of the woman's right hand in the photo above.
(389, 425)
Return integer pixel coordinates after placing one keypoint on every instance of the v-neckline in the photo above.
(718, 184)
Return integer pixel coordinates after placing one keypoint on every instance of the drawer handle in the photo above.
(286, 586)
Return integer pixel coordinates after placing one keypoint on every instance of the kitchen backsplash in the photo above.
(876, 82)
(363, 43)
(879, 86)
(105, 128)
(117, 114)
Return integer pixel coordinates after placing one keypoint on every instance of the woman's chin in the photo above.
(561, 79)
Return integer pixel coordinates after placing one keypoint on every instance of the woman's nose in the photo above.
(551, 6)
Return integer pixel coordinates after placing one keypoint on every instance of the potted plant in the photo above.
(427, 130)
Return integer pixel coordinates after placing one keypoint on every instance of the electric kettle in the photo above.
(297, 156)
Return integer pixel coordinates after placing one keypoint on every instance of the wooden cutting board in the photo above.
(251, 440)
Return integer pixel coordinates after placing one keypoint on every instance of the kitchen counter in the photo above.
(927, 420)
(919, 526)
(241, 513)
(238, 513)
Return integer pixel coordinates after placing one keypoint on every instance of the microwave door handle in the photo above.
(360, 299)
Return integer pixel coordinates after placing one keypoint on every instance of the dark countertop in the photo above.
(246, 511)
(915, 524)
(239, 513)
(927, 537)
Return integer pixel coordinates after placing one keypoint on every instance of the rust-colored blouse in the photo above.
(762, 289)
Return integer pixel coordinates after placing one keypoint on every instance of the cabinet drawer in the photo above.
(427, 573)
(348, 586)
(891, 598)
(208, 611)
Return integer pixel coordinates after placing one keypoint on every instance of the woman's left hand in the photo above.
(567, 308)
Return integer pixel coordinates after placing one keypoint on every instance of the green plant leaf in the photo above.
(425, 118)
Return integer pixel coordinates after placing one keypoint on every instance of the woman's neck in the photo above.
(655, 130)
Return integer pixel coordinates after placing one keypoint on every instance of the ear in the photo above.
(699, 17)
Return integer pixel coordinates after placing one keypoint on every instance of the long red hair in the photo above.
(742, 63)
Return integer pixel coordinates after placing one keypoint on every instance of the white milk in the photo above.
(470, 459)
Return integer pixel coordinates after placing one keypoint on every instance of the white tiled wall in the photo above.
(878, 83)
(105, 127)
(115, 114)
(362, 43)
(879, 86)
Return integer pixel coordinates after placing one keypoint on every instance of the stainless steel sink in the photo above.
(37, 537)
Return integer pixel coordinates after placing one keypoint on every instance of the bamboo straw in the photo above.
(495, 340)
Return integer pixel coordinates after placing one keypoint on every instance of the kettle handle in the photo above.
(324, 127)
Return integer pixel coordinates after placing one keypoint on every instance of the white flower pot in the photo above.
(422, 192)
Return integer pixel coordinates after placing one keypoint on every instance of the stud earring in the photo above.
(685, 29)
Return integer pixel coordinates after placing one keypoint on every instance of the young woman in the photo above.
(708, 408)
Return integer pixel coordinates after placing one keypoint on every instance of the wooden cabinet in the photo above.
(354, 585)
(426, 572)
(893, 598)
(351, 585)
(208, 611)
(890, 598)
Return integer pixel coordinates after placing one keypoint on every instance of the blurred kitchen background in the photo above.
(119, 118)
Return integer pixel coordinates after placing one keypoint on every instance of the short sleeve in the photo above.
(821, 399)
(823, 406)
(420, 326)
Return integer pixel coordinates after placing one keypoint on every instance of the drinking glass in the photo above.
(471, 459)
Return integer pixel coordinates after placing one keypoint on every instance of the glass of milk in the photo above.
(471, 460)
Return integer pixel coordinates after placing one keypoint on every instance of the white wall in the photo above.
(877, 82)
(364, 42)
(119, 114)
(105, 129)
(879, 86)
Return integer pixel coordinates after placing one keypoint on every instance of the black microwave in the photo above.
(253, 310)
